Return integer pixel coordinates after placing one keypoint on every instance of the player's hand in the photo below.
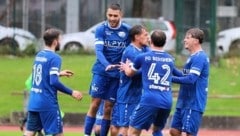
(125, 66)
(67, 73)
(77, 95)
(111, 66)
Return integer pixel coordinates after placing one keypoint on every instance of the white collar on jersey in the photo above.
(140, 49)
(197, 52)
(48, 49)
(157, 50)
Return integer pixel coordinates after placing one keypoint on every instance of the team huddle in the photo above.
(131, 83)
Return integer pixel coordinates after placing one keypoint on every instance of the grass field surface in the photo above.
(224, 81)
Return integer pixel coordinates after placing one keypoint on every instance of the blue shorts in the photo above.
(143, 116)
(104, 87)
(115, 115)
(49, 121)
(124, 113)
(187, 120)
(99, 114)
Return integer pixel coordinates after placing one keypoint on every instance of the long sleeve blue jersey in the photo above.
(194, 83)
(45, 82)
(130, 88)
(109, 46)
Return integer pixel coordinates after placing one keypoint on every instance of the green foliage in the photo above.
(30, 50)
(7, 49)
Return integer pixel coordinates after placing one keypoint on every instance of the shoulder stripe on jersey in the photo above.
(195, 72)
(99, 42)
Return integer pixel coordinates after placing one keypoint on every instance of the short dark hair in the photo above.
(135, 30)
(158, 38)
(115, 6)
(196, 33)
(50, 35)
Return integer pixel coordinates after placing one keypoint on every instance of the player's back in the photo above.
(157, 69)
(43, 96)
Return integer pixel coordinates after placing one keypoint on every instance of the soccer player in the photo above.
(130, 88)
(193, 91)
(43, 108)
(156, 100)
(111, 39)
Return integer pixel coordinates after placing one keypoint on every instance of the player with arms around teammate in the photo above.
(193, 91)
(111, 39)
(43, 108)
(156, 100)
(130, 88)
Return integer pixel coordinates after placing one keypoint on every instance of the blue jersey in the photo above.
(43, 96)
(130, 88)
(194, 96)
(157, 67)
(109, 44)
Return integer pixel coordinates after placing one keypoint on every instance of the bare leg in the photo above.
(107, 114)
(108, 106)
(114, 130)
(175, 132)
(97, 129)
(189, 134)
(123, 131)
(133, 131)
(94, 107)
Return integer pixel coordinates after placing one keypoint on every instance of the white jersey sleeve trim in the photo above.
(99, 42)
(132, 67)
(54, 72)
(195, 72)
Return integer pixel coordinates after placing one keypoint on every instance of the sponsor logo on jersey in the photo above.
(115, 44)
(121, 34)
(94, 88)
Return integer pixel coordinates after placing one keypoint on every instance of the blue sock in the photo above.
(105, 125)
(89, 123)
(157, 133)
